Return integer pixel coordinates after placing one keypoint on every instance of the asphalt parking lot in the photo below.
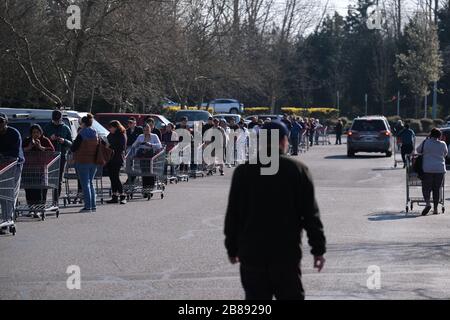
(173, 248)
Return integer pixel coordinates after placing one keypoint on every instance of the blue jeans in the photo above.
(86, 173)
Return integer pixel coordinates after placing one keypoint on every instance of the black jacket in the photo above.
(117, 142)
(266, 214)
(132, 137)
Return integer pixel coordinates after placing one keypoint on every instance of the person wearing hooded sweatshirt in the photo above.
(84, 151)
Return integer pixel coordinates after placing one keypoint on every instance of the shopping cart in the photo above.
(414, 188)
(9, 189)
(183, 168)
(324, 137)
(75, 196)
(171, 168)
(40, 172)
(198, 169)
(142, 167)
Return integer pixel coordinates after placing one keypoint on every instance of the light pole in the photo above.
(366, 98)
(434, 100)
(338, 101)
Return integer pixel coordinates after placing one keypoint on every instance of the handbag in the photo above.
(418, 163)
(103, 154)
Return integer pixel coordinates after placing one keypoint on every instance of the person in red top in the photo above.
(36, 142)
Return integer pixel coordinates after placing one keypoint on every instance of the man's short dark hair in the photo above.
(184, 119)
(407, 126)
(132, 119)
(57, 115)
(436, 133)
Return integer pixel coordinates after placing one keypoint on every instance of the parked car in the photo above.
(446, 139)
(369, 134)
(167, 103)
(228, 117)
(226, 106)
(23, 119)
(106, 118)
(101, 130)
(192, 116)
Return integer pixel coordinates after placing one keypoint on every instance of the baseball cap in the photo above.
(56, 115)
(4, 117)
(277, 125)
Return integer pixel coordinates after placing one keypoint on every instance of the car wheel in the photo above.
(234, 111)
(350, 153)
(389, 154)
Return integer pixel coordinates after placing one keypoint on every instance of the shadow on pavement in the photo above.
(388, 169)
(386, 216)
(338, 157)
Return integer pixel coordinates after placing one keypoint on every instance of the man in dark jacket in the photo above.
(133, 132)
(61, 138)
(408, 139)
(338, 129)
(295, 136)
(265, 236)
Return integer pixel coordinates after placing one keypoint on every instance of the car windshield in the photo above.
(101, 130)
(369, 125)
(24, 127)
(192, 116)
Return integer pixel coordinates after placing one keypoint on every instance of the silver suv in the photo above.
(369, 134)
(226, 106)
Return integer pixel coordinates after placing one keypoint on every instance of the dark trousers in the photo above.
(36, 196)
(295, 143)
(407, 149)
(62, 168)
(432, 183)
(267, 281)
(338, 138)
(114, 177)
(148, 182)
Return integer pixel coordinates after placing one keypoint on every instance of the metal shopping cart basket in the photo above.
(73, 194)
(40, 172)
(9, 189)
(143, 167)
(198, 167)
(414, 188)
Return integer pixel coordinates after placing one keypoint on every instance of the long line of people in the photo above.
(143, 142)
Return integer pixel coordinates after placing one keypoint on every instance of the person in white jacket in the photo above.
(242, 143)
(145, 147)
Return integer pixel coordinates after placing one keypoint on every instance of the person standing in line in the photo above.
(407, 138)
(338, 130)
(265, 236)
(295, 136)
(434, 154)
(10, 147)
(146, 146)
(133, 132)
(117, 141)
(84, 151)
(61, 138)
(36, 142)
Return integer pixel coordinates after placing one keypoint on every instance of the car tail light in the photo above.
(353, 134)
(385, 133)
